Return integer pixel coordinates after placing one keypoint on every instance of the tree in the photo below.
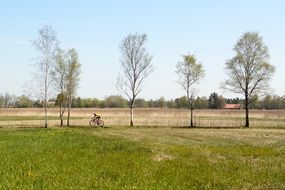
(162, 102)
(171, 104)
(272, 102)
(201, 103)
(45, 45)
(136, 66)
(234, 101)
(8, 100)
(182, 102)
(249, 70)
(72, 78)
(97, 103)
(2, 101)
(215, 101)
(222, 102)
(140, 103)
(115, 102)
(77, 103)
(254, 102)
(190, 73)
(277, 102)
(24, 102)
(266, 103)
(60, 71)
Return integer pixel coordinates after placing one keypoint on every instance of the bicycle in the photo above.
(96, 121)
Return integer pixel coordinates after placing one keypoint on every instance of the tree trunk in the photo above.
(68, 112)
(191, 117)
(45, 101)
(61, 120)
(131, 105)
(60, 115)
(190, 100)
(68, 116)
(46, 124)
(246, 112)
(132, 116)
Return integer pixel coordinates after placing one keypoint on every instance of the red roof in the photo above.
(232, 106)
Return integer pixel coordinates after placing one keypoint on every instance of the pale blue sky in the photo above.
(207, 28)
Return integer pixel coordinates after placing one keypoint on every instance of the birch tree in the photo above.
(45, 45)
(136, 67)
(72, 78)
(190, 73)
(249, 70)
(60, 72)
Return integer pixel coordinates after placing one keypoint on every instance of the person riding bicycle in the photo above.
(96, 120)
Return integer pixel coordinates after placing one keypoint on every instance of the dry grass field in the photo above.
(158, 154)
(147, 117)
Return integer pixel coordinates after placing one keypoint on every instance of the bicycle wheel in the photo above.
(92, 122)
(101, 123)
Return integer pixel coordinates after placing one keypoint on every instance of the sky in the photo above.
(206, 28)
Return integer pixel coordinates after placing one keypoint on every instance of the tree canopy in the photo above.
(189, 74)
(249, 70)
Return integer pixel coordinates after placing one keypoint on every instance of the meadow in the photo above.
(147, 117)
(141, 158)
(159, 153)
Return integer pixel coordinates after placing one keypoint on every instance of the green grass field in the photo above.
(141, 158)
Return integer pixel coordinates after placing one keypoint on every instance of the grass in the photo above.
(146, 117)
(52, 159)
(141, 158)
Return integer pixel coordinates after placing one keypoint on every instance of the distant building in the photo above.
(232, 106)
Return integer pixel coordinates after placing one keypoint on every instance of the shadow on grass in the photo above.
(39, 127)
(228, 128)
(207, 127)
(26, 128)
(84, 127)
(53, 127)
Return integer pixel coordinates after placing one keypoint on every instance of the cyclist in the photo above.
(97, 117)
(96, 120)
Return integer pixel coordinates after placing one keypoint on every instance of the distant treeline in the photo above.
(214, 101)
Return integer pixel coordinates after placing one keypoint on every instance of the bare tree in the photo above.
(136, 65)
(249, 70)
(60, 72)
(45, 45)
(72, 78)
(189, 72)
(8, 99)
(2, 101)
